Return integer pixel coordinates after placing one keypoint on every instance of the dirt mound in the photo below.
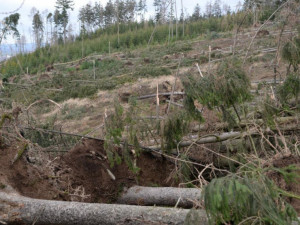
(81, 174)
(29, 179)
(89, 170)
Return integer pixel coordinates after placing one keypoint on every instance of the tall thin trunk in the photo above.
(172, 18)
(51, 34)
(118, 22)
(182, 18)
(176, 19)
(65, 30)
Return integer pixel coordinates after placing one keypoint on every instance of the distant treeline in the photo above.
(120, 34)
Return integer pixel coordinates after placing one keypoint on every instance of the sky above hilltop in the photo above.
(49, 6)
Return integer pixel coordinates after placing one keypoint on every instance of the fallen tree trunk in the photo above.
(243, 123)
(16, 209)
(160, 94)
(215, 138)
(163, 196)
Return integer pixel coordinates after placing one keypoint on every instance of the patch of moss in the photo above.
(3, 118)
(21, 151)
(2, 186)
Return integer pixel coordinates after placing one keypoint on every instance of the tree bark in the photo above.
(16, 209)
(163, 196)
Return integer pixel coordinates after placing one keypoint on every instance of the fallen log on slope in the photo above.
(215, 138)
(244, 123)
(16, 209)
(160, 94)
(163, 196)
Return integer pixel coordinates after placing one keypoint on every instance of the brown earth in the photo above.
(80, 175)
(89, 170)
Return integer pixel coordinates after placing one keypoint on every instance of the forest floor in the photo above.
(83, 173)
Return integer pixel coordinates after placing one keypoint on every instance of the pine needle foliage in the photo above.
(114, 127)
(191, 109)
(174, 128)
(226, 88)
(117, 137)
(289, 173)
(185, 170)
(270, 110)
(246, 200)
(291, 53)
(290, 88)
(132, 132)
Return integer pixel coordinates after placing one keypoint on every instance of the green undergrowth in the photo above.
(132, 36)
(48, 139)
(226, 89)
(246, 200)
(82, 79)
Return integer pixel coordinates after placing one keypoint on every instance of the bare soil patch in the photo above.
(81, 175)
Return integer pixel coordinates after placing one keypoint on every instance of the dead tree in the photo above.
(163, 196)
(16, 209)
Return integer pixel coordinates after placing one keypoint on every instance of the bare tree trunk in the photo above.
(176, 19)
(16, 209)
(118, 23)
(164, 196)
(65, 31)
(182, 19)
(215, 138)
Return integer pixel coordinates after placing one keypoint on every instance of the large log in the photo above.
(16, 209)
(163, 196)
(243, 123)
(215, 138)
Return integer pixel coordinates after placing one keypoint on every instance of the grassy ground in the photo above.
(98, 79)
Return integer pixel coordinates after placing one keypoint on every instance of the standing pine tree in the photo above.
(142, 9)
(57, 28)
(99, 15)
(109, 13)
(131, 7)
(209, 11)
(63, 6)
(38, 29)
(216, 10)
(87, 17)
(197, 13)
(160, 10)
(49, 20)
